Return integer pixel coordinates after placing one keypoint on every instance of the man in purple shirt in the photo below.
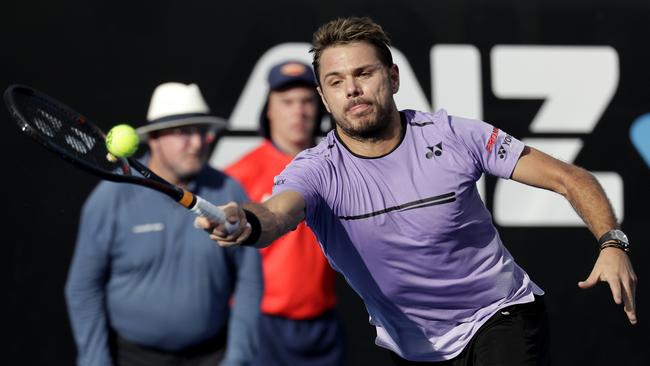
(392, 199)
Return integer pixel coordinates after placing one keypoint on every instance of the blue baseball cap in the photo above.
(286, 75)
(290, 73)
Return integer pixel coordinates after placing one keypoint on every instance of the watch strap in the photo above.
(612, 239)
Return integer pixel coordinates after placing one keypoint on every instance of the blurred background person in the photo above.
(298, 324)
(145, 287)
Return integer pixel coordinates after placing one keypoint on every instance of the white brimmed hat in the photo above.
(176, 105)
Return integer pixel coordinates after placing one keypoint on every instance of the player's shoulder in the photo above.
(421, 124)
(439, 119)
(322, 150)
(312, 161)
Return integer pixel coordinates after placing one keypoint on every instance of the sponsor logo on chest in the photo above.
(148, 228)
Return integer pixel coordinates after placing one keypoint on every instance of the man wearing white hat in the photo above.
(144, 287)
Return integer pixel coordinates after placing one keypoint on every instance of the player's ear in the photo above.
(322, 97)
(394, 78)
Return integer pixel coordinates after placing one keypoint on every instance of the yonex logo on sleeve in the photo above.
(502, 152)
(502, 149)
(507, 140)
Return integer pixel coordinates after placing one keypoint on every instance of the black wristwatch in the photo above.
(614, 238)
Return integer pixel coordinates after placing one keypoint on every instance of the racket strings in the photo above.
(77, 140)
(80, 141)
(49, 124)
(68, 132)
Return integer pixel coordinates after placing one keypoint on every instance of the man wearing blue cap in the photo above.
(298, 325)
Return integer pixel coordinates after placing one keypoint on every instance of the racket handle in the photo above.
(214, 213)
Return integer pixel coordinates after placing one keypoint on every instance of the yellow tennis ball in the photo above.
(122, 141)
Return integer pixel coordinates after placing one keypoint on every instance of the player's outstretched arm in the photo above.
(587, 197)
(267, 221)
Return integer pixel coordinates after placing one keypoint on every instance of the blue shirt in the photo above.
(141, 268)
(410, 233)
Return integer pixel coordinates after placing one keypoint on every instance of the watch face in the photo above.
(618, 234)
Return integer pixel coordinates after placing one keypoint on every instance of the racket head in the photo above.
(64, 131)
(77, 140)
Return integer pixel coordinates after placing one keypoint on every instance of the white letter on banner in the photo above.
(577, 84)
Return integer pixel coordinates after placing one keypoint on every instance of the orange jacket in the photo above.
(298, 281)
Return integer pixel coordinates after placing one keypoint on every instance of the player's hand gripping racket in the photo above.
(74, 138)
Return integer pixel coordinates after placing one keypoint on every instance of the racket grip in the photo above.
(214, 213)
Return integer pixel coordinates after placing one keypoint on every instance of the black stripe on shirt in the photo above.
(425, 202)
(420, 124)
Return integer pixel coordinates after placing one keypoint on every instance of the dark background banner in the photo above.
(105, 57)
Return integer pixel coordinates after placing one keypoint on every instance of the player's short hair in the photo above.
(342, 31)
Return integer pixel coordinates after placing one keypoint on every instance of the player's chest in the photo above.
(424, 181)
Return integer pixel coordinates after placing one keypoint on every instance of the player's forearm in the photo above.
(577, 185)
(588, 199)
(272, 225)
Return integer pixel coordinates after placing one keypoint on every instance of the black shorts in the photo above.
(516, 335)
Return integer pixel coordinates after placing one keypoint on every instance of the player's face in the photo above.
(358, 89)
(292, 115)
(181, 152)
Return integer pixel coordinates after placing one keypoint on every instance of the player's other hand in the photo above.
(219, 231)
(613, 266)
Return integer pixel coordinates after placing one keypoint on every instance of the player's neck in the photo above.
(376, 146)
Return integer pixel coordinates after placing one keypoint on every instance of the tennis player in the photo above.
(392, 199)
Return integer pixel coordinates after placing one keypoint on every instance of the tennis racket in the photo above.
(78, 141)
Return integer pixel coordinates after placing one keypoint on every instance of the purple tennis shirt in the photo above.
(410, 233)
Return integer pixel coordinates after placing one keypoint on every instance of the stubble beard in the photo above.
(371, 127)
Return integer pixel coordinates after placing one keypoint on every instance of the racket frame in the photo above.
(149, 179)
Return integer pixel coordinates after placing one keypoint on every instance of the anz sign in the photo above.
(576, 84)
